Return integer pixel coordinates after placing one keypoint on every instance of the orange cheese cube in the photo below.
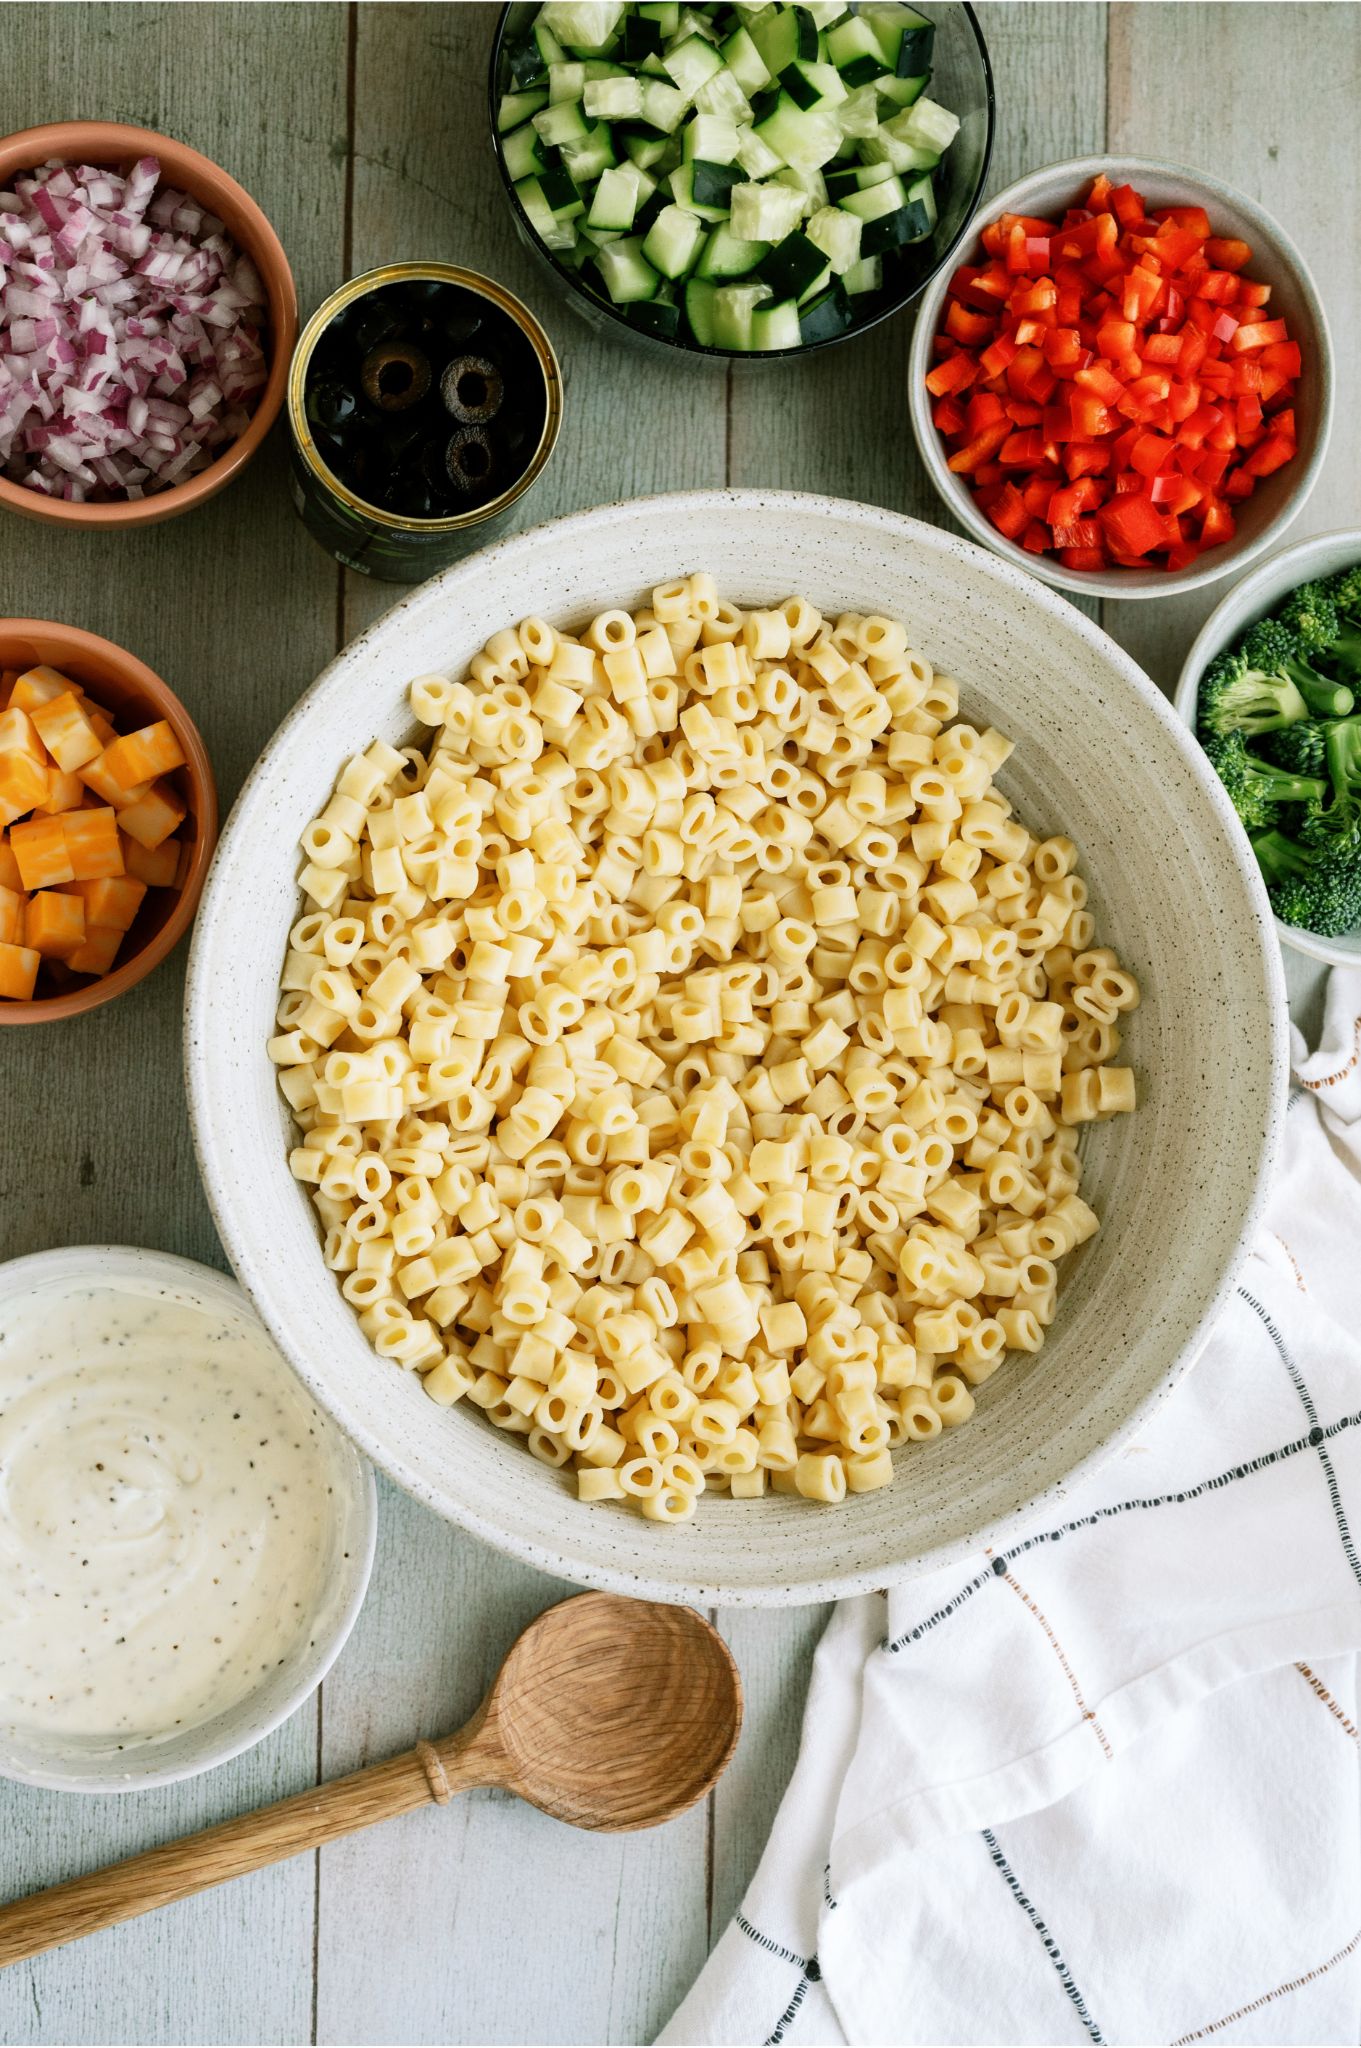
(91, 843)
(18, 971)
(54, 924)
(41, 851)
(95, 776)
(154, 865)
(23, 763)
(102, 725)
(113, 901)
(9, 866)
(153, 817)
(11, 916)
(142, 756)
(18, 735)
(64, 793)
(41, 686)
(97, 953)
(65, 730)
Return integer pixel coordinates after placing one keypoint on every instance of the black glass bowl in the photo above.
(961, 79)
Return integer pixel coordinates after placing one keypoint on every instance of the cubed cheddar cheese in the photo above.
(9, 866)
(65, 730)
(153, 817)
(139, 757)
(96, 777)
(23, 764)
(54, 924)
(12, 903)
(40, 685)
(18, 972)
(97, 952)
(64, 793)
(40, 848)
(112, 901)
(157, 866)
(92, 843)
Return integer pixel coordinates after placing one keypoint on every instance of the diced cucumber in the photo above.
(523, 153)
(810, 184)
(865, 276)
(873, 174)
(690, 63)
(828, 314)
(886, 146)
(787, 36)
(876, 200)
(517, 107)
(721, 94)
(642, 36)
(757, 158)
(699, 310)
(613, 99)
(625, 271)
(927, 125)
(696, 21)
(775, 325)
(666, 14)
(582, 24)
(663, 105)
(656, 317)
(554, 234)
(792, 266)
(921, 193)
(903, 91)
(825, 12)
(587, 160)
(905, 37)
(565, 82)
(837, 234)
(564, 200)
(615, 200)
(525, 66)
(856, 52)
(683, 192)
(734, 305)
(712, 184)
(813, 85)
(727, 255)
(561, 124)
(673, 241)
(745, 63)
(859, 114)
(643, 148)
(712, 137)
(765, 213)
(803, 138)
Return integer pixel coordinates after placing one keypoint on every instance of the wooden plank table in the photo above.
(359, 128)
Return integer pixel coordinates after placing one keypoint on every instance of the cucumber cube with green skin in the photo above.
(615, 200)
(765, 213)
(788, 35)
(527, 66)
(699, 310)
(625, 271)
(734, 305)
(887, 147)
(613, 99)
(927, 125)
(712, 184)
(805, 138)
(663, 105)
(855, 50)
(813, 85)
(825, 12)
(554, 234)
(792, 266)
(561, 194)
(757, 158)
(683, 193)
(828, 314)
(642, 148)
(562, 124)
(892, 230)
(810, 185)
(518, 107)
(711, 137)
(903, 91)
(905, 37)
(745, 62)
(866, 276)
(690, 63)
(523, 153)
(775, 325)
(837, 233)
(721, 94)
(666, 14)
(674, 241)
(921, 193)
(858, 115)
(873, 174)
(565, 82)
(885, 196)
(587, 160)
(727, 255)
(642, 37)
(655, 317)
(583, 25)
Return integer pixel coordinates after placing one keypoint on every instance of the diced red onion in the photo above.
(131, 333)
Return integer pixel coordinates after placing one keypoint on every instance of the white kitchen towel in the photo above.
(1105, 1784)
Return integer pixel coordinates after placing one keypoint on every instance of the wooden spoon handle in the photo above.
(159, 1876)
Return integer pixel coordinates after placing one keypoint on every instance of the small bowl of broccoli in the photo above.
(1272, 689)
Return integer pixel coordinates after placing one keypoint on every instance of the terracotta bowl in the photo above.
(114, 144)
(133, 696)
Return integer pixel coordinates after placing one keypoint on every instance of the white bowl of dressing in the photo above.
(185, 1538)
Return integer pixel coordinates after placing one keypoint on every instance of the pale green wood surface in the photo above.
(360, 130)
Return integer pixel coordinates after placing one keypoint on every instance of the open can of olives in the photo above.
(423, 402)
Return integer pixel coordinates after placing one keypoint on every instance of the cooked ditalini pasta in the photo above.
(687, 1049)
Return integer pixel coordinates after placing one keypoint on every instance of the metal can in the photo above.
(367, 537)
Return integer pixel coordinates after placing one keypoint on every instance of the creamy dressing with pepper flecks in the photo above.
(165, 1511)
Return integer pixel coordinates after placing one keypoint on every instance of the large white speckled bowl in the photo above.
(1101, 755)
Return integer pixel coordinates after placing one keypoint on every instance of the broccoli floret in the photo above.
(1237, 698)
(1274, 647)
(1318, 889)
(1345, 590)
(1310, 613)
(1298, 748)
(1256, 790)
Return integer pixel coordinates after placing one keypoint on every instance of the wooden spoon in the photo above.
(608, 1713)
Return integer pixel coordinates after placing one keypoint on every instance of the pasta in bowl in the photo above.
(688, 1048)
(1099, 762)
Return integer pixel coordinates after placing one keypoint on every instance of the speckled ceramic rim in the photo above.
(229, 1198)
(112, 142)
(1269, 236)
(1248, 600)
(89, 1264)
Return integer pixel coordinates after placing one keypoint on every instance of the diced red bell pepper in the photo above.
(1228, 253)
(967, 327)
(1175, 494)
(1062, 348)
(1247, 419)
(1022, 450)
(947, 416)
(1271, 454)
(1142, 290)
(1162, 348)
(956, 373)
(1078, 533)
(1037, 539)
(989, 473)
(1127, 205)
(1218, 524)
(997, 355)
(1133, 524)
(1008, 514)
(976, 452)
(981, 410)
(1283, 357)
(1086, 458)
(1082, 558)
(1257, 334)
(1101, 380)
(1073, 500)
(1029, 376)
(1193, 217)
(1238, 484)
(1211, 467)
(1150, 454)
(1250, 294)
(1115, 337)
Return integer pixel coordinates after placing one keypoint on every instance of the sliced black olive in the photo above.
(473, 390)
(468, 461)
(396, 375)
(372, 321)
(461, 321)
(329, 404)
